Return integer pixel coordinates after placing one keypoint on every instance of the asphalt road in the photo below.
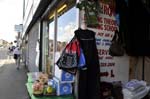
(12, 81)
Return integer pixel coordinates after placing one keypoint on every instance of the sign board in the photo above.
(112, 68)
(19, 28)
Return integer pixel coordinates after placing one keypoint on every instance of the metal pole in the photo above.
(55, 41)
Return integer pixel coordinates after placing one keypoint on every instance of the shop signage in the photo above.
(112, 68)
(18, 28)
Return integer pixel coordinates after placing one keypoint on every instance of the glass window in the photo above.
(51, 36)
(51, 44)
(67, 24)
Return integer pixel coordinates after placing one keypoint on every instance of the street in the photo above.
(12, 81)
(3, 56)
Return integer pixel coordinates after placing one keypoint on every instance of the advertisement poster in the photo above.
(112, 68)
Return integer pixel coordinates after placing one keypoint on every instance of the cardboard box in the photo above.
(63, 76)
(62, 88)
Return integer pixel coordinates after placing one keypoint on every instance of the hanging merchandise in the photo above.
(117, 17)
(82, 63)
(89, 79)
(68, 60)
(134, 25)
(116, 47)
(92, 10)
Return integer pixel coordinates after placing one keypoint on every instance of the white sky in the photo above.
(10, 15)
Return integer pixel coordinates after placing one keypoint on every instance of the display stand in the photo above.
(30, 91)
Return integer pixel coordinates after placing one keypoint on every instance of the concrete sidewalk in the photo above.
(12, 81)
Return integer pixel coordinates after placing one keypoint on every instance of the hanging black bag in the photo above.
(68, 60)
(116, 47)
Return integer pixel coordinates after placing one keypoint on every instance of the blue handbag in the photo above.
(81, 62)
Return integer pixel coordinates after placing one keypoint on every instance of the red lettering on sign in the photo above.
(100, 19)
(110, 28)
(103, 64)
(100, 57)
(107, 35)
(109, 57)
(106, 9)
(99, 34)
(106, 74)
(103, 52)
(100, 27)
(110, 64)
(109, 21)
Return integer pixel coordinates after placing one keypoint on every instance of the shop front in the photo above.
(63, 20)
(57, 26)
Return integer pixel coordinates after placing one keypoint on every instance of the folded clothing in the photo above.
(128, 94)
(134, 85)
(135, 89)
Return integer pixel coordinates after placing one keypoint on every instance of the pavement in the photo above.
(12, 81)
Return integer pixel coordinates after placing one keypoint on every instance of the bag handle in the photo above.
(69, 45)
(117, 37)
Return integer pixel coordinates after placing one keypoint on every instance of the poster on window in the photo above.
(112, 68)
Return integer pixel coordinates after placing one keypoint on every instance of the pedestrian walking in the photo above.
(10, 50)
(16, 54)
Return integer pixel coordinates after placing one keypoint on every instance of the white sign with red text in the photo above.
(112, 68)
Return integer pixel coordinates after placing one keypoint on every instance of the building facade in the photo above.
(43, 22)
(49, 25)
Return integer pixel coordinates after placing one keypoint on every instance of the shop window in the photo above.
(51, 44)
(66, 25)
(51, 36)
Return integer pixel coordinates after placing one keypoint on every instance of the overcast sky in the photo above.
(10, 15)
